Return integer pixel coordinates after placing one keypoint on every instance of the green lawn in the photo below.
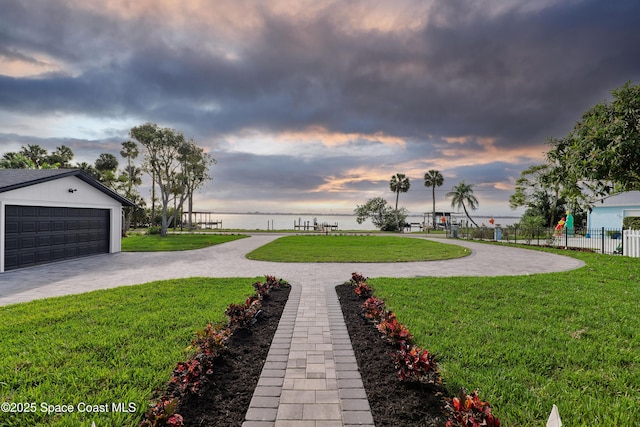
(174, 242)
(355, 249)
(570, 339)
(104, 347)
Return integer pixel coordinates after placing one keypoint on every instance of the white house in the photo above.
(51, 215)
(610, 211)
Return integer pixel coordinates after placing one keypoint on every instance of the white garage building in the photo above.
(49, 215)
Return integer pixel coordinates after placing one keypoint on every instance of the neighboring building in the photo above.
(610, 211)
(49, 215)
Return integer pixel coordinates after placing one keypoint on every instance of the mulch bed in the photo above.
(224, 401)
(393, 403)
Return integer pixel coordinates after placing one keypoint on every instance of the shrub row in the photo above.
(413, 363)
(631, 222)
(189, 376)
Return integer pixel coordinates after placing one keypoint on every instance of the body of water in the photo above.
(272, 221)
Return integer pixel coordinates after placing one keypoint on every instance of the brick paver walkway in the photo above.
(310, 378)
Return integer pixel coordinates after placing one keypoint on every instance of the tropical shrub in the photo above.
(469, 411)
(394, 331)
(631, 222)
(374, 309)
(263, 289)
(417, 364)
(382, 215)
(357, 278)
(189, 376)
(273, 282)
(530, 227)
(414, 363)
(363, 290)
(153, 230)
(211, 340)
(162, 414)
(241, 316)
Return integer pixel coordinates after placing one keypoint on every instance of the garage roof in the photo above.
(628, 198)
(12, 179)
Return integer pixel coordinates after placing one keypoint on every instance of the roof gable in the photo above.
(13, 179)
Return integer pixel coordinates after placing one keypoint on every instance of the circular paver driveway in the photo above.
(228, 260)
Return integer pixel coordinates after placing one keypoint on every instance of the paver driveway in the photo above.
(227, 260)
(310, 377)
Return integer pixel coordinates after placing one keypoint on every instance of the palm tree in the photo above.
(133, 176)
(36, 154)
(433, 179)
(130, 152)
(62, 157)
(399, 184)
(462, 193)
(13, 160)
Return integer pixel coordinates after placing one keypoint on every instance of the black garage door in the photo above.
(37, 234)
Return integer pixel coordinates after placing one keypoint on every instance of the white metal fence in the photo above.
(631, 246)
(600, 240)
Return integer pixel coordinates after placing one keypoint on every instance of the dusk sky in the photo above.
(312, 106)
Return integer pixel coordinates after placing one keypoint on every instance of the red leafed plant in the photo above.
(175, 420)
(363, 290)
(394, 331)
(467, 410)
(414, 363)
(357, 278)
(374, 308)
(242, 316)
(273, 282)
(211, 339)
(162, 414)
(262, 289)
(188, 375)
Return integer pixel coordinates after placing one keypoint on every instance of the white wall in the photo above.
(56, 193)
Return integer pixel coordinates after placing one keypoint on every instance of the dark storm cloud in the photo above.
(523, 76)
(517, 76)
(63, 32)
(514, 76)
(280, 173)
(84, 150)
(12, 54)
(265, 172)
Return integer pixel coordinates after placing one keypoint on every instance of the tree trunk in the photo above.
(433, 197)
(397, 219)
(178, 207)
(467, 214)
(190, 210)
(556, 196)
(153, 198)
(165, 223)
(128, 212)
(175, 212)
(165, 192)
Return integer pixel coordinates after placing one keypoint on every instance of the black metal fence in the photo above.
(601, 240)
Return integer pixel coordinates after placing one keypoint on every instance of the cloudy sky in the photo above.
(312, 106)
